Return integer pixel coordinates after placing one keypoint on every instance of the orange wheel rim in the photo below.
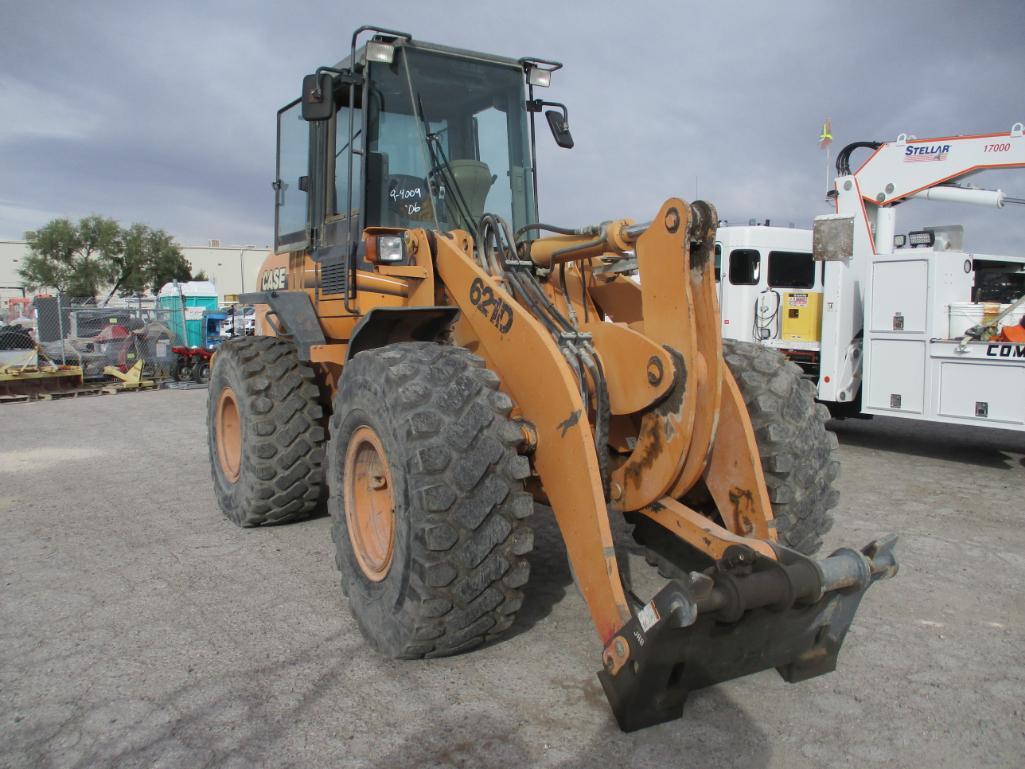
(369, 503)
(228, 430)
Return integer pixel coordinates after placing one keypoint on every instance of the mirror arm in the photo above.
(343, 76)
(536, 105)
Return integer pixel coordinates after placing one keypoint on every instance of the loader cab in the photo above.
(432, 138)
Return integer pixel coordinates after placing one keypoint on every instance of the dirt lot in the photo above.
(138, 628)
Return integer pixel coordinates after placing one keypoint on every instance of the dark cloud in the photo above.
(165, 113)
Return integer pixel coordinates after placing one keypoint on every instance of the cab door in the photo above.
(292, 181)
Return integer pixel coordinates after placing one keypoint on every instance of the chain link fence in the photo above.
(172, 339)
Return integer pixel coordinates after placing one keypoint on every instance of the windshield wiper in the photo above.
(441, 167)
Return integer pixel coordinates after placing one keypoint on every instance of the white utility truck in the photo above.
(770, 289)
(889, 324)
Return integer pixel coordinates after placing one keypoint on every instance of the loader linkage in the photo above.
(750, 614)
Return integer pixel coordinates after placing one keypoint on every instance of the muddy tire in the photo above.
(799, 455)
(266, 433)
(436, 565)
(799, 458)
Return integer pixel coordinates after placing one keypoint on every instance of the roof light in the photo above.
(539, 71)
(899, 241)
(539, 77)
(379, 51)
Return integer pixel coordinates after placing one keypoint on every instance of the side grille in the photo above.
(332, 278)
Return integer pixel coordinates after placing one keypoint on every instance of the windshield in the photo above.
(447, 142)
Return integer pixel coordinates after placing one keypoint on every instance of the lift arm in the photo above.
(910, 167)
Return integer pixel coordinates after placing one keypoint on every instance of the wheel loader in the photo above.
(431, 360)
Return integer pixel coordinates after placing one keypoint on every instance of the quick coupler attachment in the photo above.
(748, 613)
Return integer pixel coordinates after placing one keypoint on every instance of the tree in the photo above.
(165, 261)
(71, 257)
(148, 259)
(80, 259)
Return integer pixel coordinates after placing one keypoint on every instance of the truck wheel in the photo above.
(183, 369)
(201, 371)
(266, 438)
(799, 455)
(427, 500)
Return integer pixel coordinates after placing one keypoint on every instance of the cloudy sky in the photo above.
(164, 112)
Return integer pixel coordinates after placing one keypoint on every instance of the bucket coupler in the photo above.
(746, 614)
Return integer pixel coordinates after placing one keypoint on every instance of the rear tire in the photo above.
(266, 437)
(444, 574)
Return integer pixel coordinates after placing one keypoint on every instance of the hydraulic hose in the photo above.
(557, 230)
(843, 158)
(496, 254)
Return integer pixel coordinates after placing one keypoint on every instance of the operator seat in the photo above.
(474, 179)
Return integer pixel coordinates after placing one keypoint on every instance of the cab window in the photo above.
(342, 205)
(745, 264)
(791, 269)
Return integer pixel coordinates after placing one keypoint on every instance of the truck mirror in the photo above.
(560, 128)
(318, 101)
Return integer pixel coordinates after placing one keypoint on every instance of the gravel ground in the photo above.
(138, 628)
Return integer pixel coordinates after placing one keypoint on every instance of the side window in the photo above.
(745, 266)
(718, 262)
(342, 205)
(491, 134)
(791, 269)
(292, 181)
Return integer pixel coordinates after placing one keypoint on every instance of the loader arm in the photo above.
(537, 377)
(783, 609)
(675, 446)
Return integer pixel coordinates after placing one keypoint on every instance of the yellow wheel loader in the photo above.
(432, 359)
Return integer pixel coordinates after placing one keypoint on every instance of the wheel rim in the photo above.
(369, 503)
(229, 435)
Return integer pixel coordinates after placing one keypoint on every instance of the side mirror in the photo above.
(318, 101)
(560, 128)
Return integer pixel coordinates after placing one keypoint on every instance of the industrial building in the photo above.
(232, 269)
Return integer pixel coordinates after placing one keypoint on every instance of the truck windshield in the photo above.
(447, 141)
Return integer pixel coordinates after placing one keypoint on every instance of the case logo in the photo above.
(274, 280)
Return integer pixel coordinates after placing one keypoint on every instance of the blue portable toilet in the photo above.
(185, 305)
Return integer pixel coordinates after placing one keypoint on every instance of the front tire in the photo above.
(266, 437)
(427, 500)
(799, 458)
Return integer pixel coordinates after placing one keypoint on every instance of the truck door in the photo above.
(740, 287)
